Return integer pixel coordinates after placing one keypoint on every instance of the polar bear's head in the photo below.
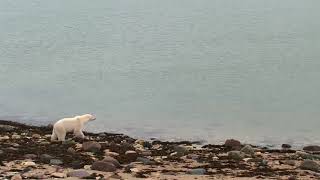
(86, 117)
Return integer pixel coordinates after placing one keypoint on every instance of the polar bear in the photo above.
(75, 124)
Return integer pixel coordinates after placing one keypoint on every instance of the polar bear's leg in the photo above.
(60, 133)
(53, 136)
(78, 133)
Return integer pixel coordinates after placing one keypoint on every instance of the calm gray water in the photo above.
(201, 70)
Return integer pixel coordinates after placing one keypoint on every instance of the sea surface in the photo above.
(170, 69)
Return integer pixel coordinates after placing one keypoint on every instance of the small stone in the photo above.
(58, 175)
(28, 164)
(30, 156)
(112, 154)
(286, 146)
(79, 174)
(181, 150)
(36, 136)
(45, 158)
(145, 161)
(102, 135)
(115, 176)
(87, 167)
(92, 146)
(112, 160)
(55, 162)
(236, 155)
(146, 153)
(77, 164)
(12, 149)
(15, 144)
(103, 166)
(311, 148)
(131, 156)
(15, 136)
(1, 152)
(234, 144)
(263, 163)
(310, 165)
(248, 150)
(16, 177)
(290, 162)
(71, 150)
(198, 171)
(292, 178)
(4, 138)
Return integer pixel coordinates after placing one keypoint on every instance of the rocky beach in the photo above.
(26, 152)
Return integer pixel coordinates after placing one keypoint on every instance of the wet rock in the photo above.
(311, 148)
(79, 174)
(289, 162)
(15, 136)
(69, 142)
(12, 149)
(145, 161)
(248, 150)
(7, 128)
(232, 143)
(198, 171)
(286, 146)
(15, 144)
(146, 153)
(236, 155)
(71, 150)
(55, 162)
(103, 166)
(28, 164)
(36, 136)
(131, 156)
(112, 160)
(45, 158)
(305, 155)
(16, 177)
(263, 163)
(115, 176)
(58, 175)
(77, 164)
(102, 135)
(112, 154)
(310, 165)
(181, 150)
(292, 178)
(30, 156)
(92, 146)
(4, 138)
(126, 147)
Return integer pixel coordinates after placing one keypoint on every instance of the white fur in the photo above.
(75, 125)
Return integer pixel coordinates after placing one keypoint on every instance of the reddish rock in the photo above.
(131, 156)
(234, 144)
(112, 160)
(103, 166)
(91, 146)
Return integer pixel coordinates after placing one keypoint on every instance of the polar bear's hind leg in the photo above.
(60, 133)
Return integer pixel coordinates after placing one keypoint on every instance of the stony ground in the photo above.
(27, 153)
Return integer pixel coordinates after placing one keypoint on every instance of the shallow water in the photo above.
(205, 70)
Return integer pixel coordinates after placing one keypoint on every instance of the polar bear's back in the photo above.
(69, 124)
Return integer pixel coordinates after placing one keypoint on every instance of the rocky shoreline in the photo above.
(27, 153)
